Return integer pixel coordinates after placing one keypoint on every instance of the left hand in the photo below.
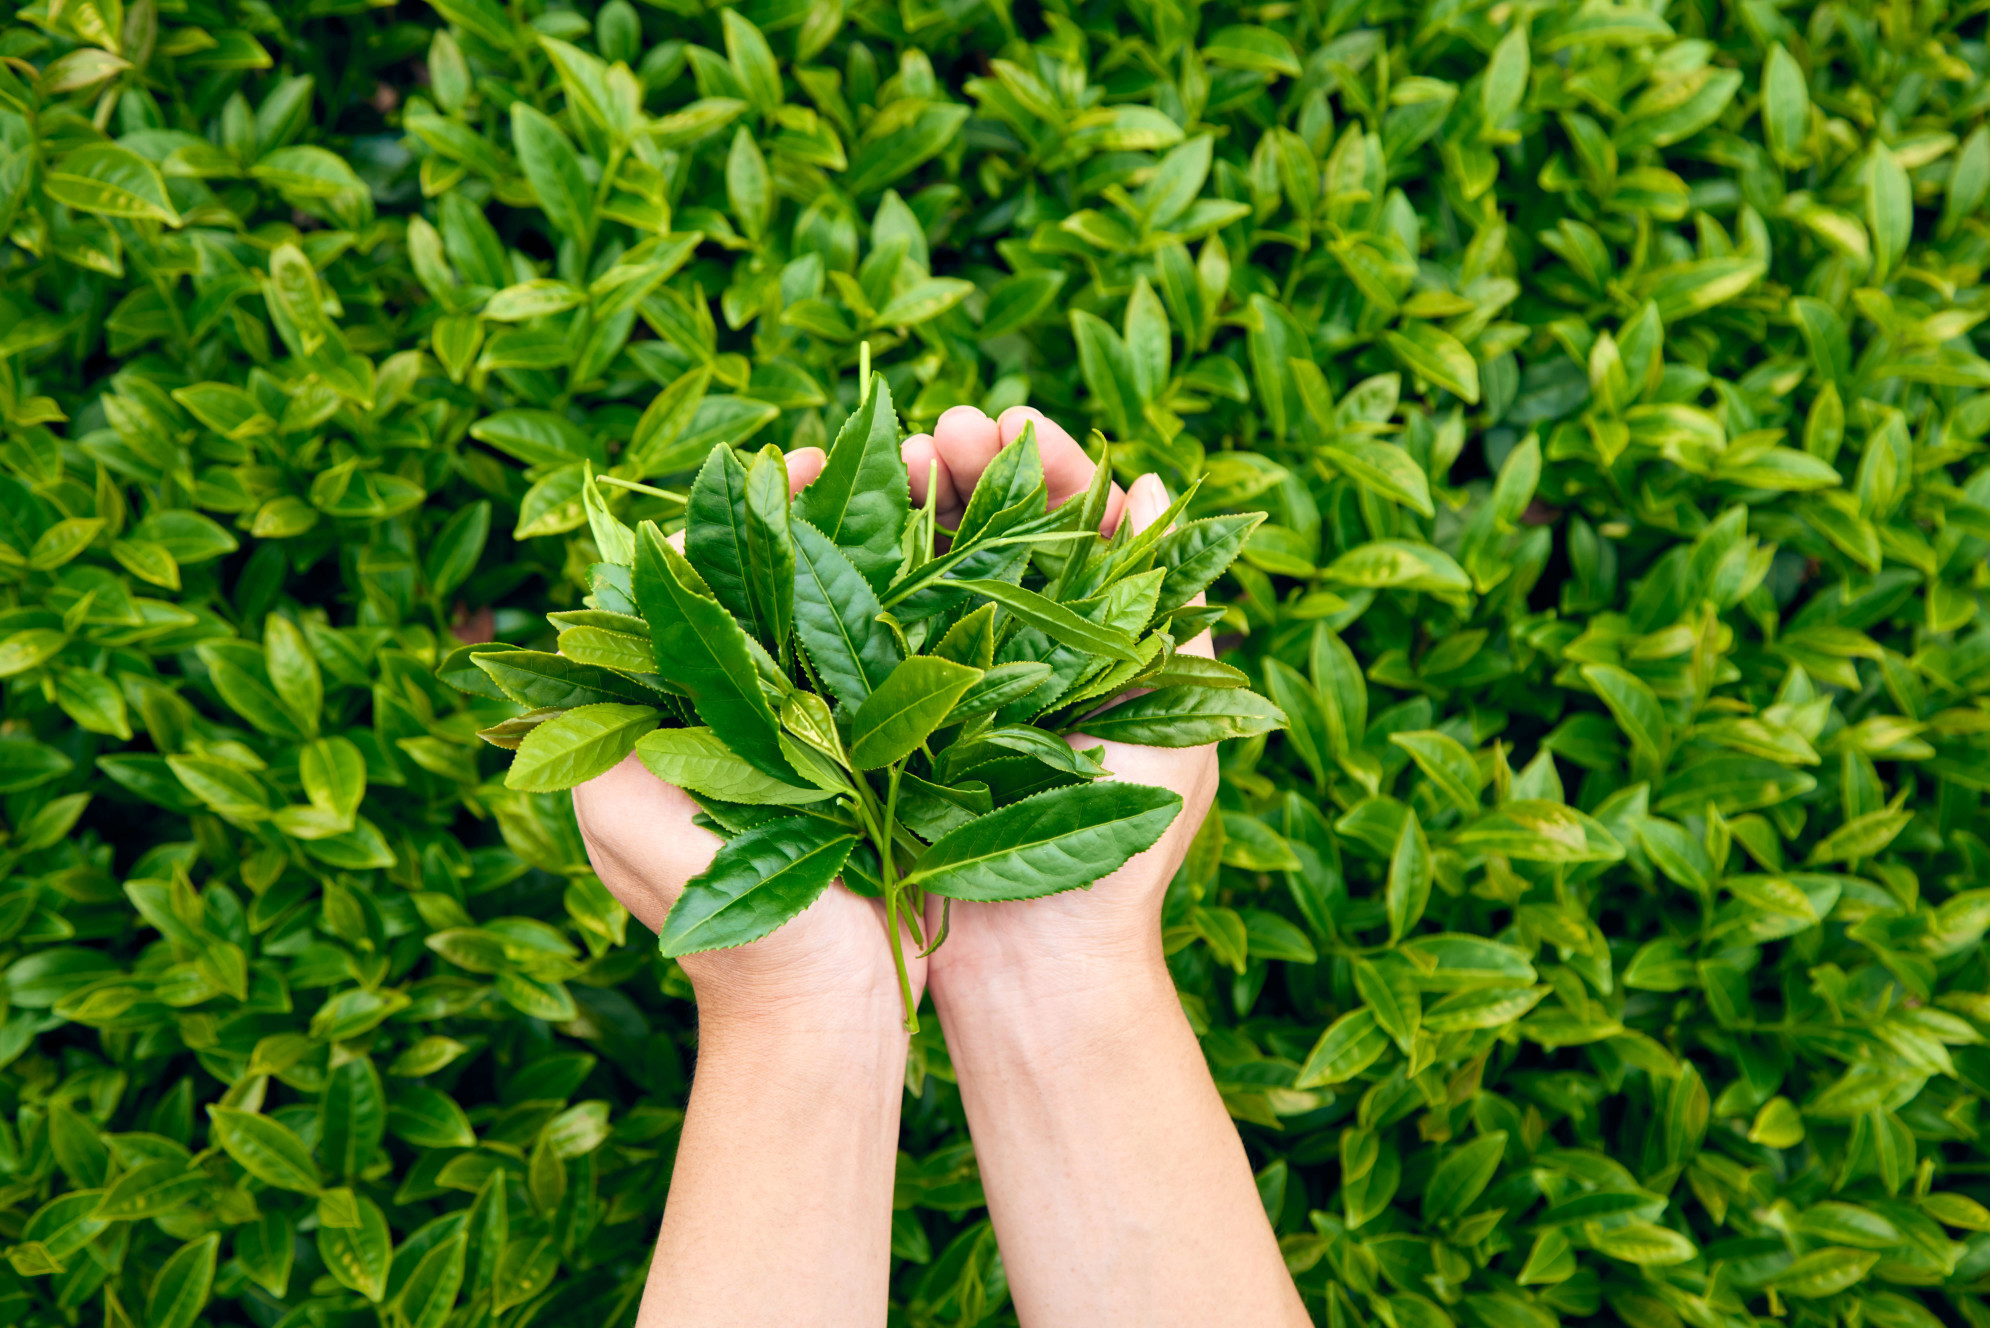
(832, 960)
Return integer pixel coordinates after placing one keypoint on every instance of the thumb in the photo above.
(1146, 502)
(640, 838)
(804, 464)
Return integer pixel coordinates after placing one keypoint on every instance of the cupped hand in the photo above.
(832, 959)
(1063, 943)
(643, 843)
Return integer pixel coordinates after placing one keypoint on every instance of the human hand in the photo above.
(1064, 944)
(831, 964)
(1118, 1186)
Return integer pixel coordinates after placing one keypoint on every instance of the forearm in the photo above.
(1119, 1189)
(780, 1205)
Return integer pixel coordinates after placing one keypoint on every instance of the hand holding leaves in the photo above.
(639, 820)
(878, 678)
(1055, 937)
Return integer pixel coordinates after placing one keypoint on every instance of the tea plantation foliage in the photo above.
(1603, 941)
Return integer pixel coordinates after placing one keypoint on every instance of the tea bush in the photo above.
(1603, 938)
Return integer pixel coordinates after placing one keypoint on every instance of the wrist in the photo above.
(1041, 970)
(830, 1054)
(736, 1011)
(1053, 996)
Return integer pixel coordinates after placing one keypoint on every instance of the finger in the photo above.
(923, 463)
(966, 440)
(641, 839)
(804, 464)
(1067, 471)
(1147, 502)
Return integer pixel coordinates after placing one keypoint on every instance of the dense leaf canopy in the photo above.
(1603, 937)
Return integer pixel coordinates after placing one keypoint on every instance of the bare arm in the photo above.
(1118, 1186)
(780, 1206)
(779, 1209)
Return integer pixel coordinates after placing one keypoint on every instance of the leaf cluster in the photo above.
(1600, 941)
(836, 669)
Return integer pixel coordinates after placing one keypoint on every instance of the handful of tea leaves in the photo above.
(846, 688)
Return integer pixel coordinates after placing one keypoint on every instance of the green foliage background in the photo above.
(1609, 375)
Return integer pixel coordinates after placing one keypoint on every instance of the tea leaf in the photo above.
(758, 881)
(709, 653)
(574, 747)
(1054, 841)
(907, 706)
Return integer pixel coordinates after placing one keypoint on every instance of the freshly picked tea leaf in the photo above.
(813, 695)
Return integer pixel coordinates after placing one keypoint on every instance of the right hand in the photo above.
(1068, 943)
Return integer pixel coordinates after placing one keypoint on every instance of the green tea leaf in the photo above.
(1055, 620)
(1185, 717)
(181, 1289)
(758, 881)
(1410, 873)
(429, 1119)
(698, 759)
(554, 170)
(708, 653)
(736, 535)
(266, 1148)
(544, 682)
(1785, 105)
(360, 1257)
(998, 686)
(111, 181)
(1889, 209)
(1349, 1045)
(1055, 841)
(1434, 354)
(1462, 1176)
(574, 747)
(836, 618)
(1388, 471)
(861, 499)
(1540, 832)
(912, 701)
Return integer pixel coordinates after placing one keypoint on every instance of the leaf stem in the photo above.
(635, 487)
(888, 873)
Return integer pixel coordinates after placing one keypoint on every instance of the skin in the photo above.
(1118, 1187)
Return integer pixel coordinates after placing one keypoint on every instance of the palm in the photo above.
(1119, 914)
(1121, 911)
(644, 845)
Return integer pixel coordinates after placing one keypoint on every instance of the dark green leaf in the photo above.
(708, 652)
(554, 169)
(1055, 841)
(861, 498)
(1055, 620)
(836, 614)
(1185, 717)
(758, 881)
